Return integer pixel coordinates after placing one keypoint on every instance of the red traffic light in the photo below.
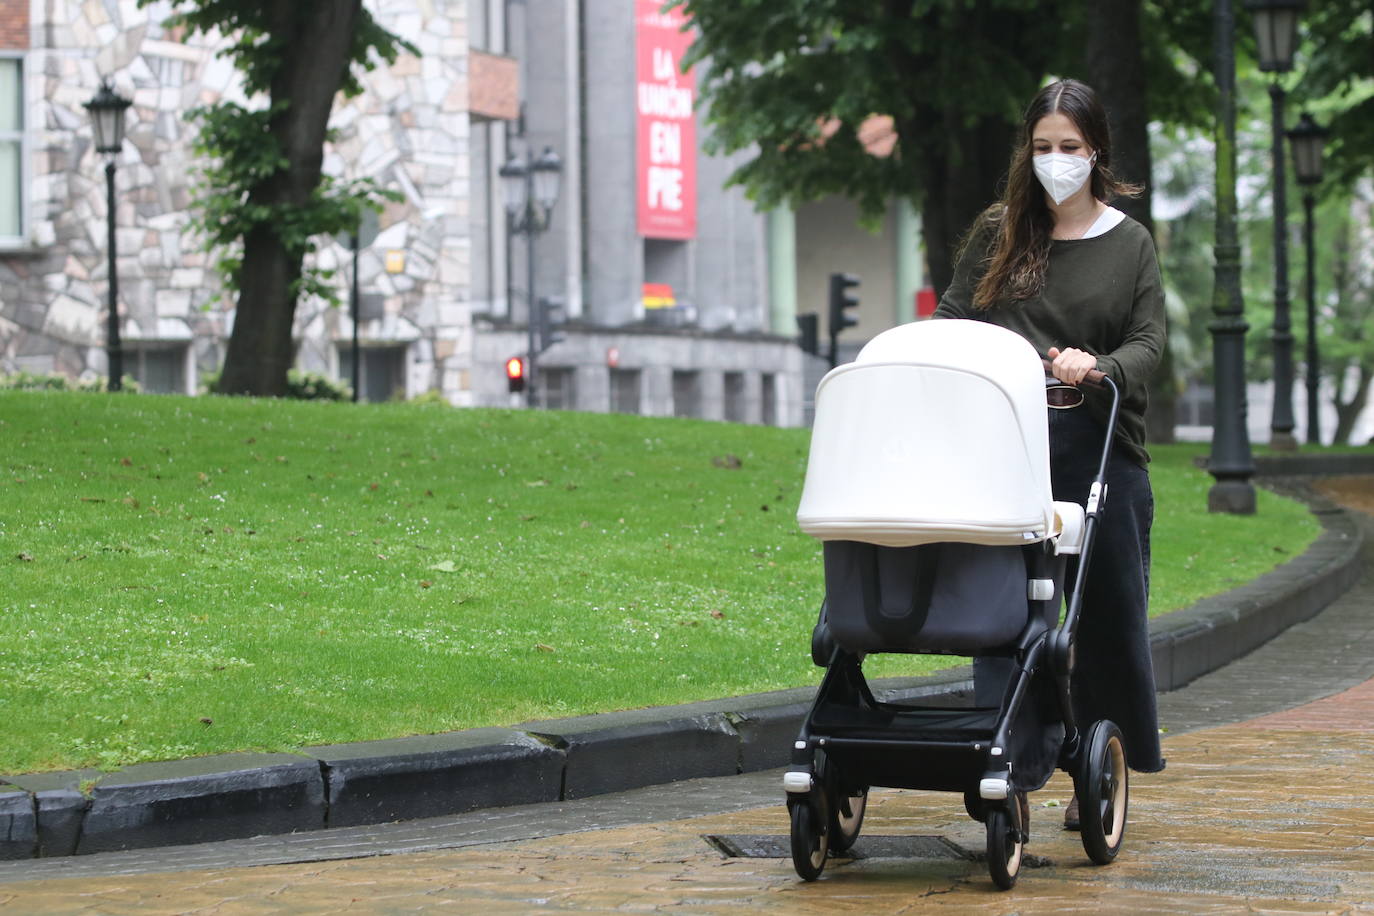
(515, 373)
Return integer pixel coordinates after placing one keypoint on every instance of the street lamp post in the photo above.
(1230, 464)
(107, 118)
(1276, 33)
(1307, 139)
(530, 190)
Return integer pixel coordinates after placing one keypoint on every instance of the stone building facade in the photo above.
(439, 310)
(444, 302)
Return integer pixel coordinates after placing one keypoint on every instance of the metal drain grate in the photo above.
(764, 846)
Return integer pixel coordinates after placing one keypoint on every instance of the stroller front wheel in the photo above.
(1006, 843)
(1103, 793)
(810, 837)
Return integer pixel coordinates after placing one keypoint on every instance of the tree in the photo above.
(265, 197)
(953, 75)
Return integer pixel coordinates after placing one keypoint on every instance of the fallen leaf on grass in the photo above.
(544, 647)
(528, 518)
(425, 583)
(729, 462)
(206, 720)
(126, 462)
(445, 566)
(718, 615)
(25, 557)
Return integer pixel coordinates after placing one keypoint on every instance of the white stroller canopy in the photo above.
(937, 432)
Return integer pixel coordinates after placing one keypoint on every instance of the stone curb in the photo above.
(241, 795)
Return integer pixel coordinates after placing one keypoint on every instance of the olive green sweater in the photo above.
(1102, 295)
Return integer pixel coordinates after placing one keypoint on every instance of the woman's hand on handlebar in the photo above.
(1071, 365)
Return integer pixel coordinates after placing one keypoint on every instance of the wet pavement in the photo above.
(1264, 807)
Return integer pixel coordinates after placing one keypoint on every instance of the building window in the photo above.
(735, 409)
(768, 395)
(625, 391)
(686, 393)
(556, 388)
(12, 159)
(383, 376)
(158, 368)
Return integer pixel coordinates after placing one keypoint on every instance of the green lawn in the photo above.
(191, 576)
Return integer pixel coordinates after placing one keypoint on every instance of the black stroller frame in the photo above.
(850, 740)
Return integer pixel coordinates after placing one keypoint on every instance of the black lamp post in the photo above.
(1276, 31)
(107, 117)
(1230, 463)
(1307, 139)
(530, 189)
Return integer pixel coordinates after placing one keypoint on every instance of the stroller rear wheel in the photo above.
(845, 803)
(844, 828)
(1006, 831)
(810, 835)
(1103, 793)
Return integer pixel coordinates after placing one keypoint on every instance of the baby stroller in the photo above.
(928, 482)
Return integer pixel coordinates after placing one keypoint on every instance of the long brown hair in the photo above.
(1021, 223)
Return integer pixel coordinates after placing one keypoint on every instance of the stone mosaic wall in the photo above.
(409, 129)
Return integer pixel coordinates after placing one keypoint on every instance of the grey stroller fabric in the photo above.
(946, 597)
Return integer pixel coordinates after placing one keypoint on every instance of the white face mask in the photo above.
(1062, 174)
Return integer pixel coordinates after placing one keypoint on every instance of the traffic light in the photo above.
(515, 374)
(552, 317)
(841, 300)
(810, 338)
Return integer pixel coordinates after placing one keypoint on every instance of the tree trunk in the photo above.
(1116, 69)
(959, 182)
(1348, 412)
(319, 36)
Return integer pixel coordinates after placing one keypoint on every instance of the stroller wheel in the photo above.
(1103, 793)
(844, 828)
(810, 837)
(1006, 842)
(845, 803)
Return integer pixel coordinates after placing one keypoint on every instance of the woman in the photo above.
(1053, 261)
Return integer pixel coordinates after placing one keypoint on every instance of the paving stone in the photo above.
(377, 781)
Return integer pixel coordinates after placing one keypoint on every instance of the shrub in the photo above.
(56, 381)
(300, 386)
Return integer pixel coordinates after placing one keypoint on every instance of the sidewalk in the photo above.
(1263, 807)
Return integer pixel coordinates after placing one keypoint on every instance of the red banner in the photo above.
(666, 162)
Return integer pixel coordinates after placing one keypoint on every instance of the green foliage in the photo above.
(242, 154)
(1336, 63)
(55, 381)
(315, 386)
(780, 71)
(300, 386)
(207, 575)
(261, 35)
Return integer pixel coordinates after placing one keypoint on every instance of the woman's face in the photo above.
(1056, 133)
